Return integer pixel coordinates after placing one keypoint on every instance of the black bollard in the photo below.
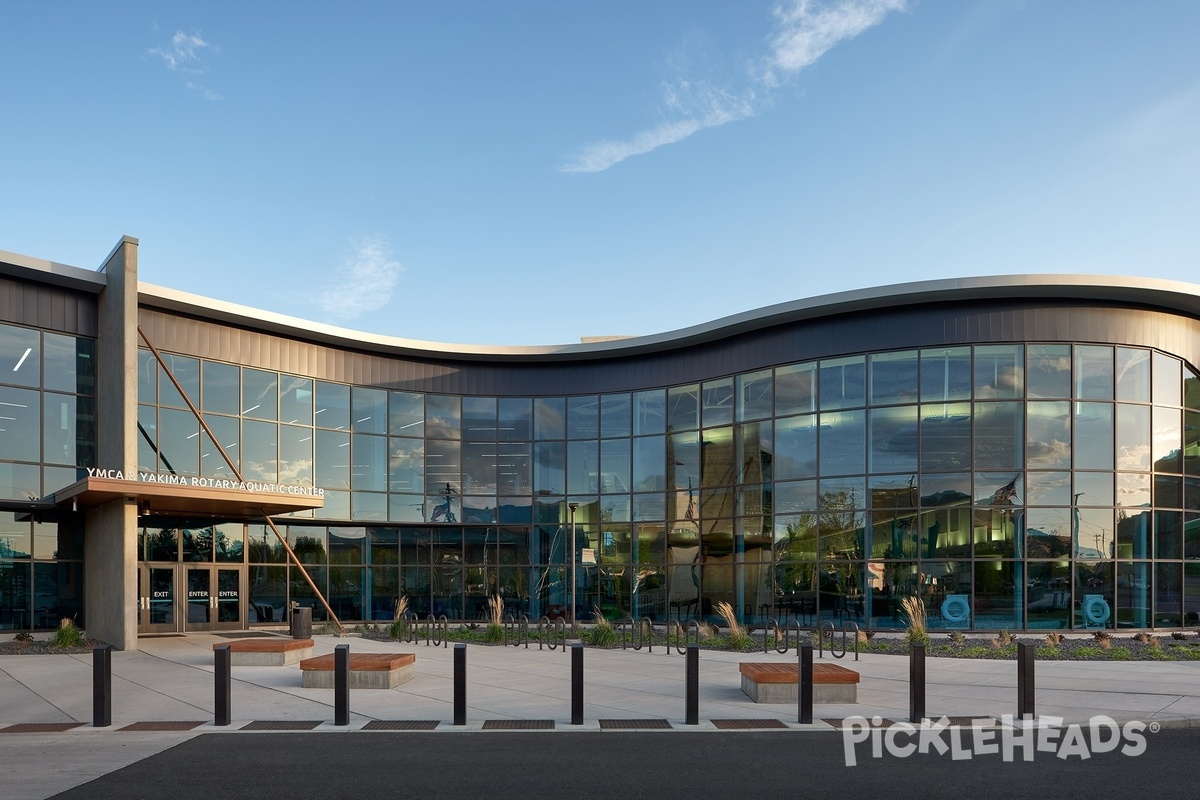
(341, 684)
(916, 683)
(804, 688)
(222, 679)
(693, 685)
(102, 686)
(1025, 654)
(576, 683)
(460, 684)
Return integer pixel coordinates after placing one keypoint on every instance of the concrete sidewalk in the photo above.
(171, 680)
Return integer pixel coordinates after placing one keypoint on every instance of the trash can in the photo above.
(302, 622)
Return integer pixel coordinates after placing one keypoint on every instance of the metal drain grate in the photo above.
(252, 635)
(161, 725)
(746, 724)
(401, 725)
(634, 724)
(518, 724)
(282, 725)
(40, 727)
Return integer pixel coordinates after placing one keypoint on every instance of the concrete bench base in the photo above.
(367, 670)
(776, 683)
(268, 652)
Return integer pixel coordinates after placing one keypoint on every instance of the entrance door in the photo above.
(158, 599)
(213, 598)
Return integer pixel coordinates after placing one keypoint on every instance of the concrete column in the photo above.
(110, 533)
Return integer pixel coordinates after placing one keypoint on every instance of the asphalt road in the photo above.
(627, 764)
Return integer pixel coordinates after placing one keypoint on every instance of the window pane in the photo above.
(796, 447)
(718, 402)
(894, 377)
(69, 429)
(583, 417)
(368, 472)
(20, 356)
(1133, 437)
(260, 394)
(683, 460)
(442, 466)
(443, 416)
(368, 410)
(295, 400)
(406, 465)
(333, 459)
(842, 443)
(614, 466)
(514, 469)
(333, 406)
(999, 371)
(479, 461)
(147, 378)
(549, 418)
(1093, 372)
(187, 373)
(615, 415)
(843, 382)
(1048, 445)
(649, 456)
(795, 389)
(1049, 488)
(755, 454)
(946, 374)
(179, 442)
(222, 388)
(650, 411)
(1133, 375)
(1093, 446)
(894, 438)
(946, 436)
(295, 455)
(549, 468)
(1167, 388)
(260, 451)
(1093, 488)
(683, 407)
(583, 467)
(999, 436)
(1167, 440)
(147, 438)
(755, 395)
(406, 414)
(70, 364)
(515, 419)
(1049, 370)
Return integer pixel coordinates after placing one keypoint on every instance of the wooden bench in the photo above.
(367, 670)
(272, 652)
(775, 682)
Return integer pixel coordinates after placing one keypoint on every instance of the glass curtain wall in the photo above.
(1010, 486)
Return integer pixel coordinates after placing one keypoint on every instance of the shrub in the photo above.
(1054, 639)
(23, 636)
(738, 638)
(957, 637)
(603, 634)
(914, 609)
(1178, 636)
(68, 634)
(495, 626)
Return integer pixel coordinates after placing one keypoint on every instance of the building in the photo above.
(1023, 452)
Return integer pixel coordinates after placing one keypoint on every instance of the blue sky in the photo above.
(534, 172)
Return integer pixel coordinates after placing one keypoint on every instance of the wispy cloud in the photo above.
(186, 53)
(803, 32)
(363, 281)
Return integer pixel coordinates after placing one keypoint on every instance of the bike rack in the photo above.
(645, 633)
(827, 626)
(783, 635)
(683, 635)
(516, 631)
(552, 634)
(438, 631)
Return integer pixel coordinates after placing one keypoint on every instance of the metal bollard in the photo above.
(222, 679)
(460, 684)
(1025, 659)
(102, 686)
(576, 683)
(804, 679)
(693, 685)
(341, 684)
(916, 683)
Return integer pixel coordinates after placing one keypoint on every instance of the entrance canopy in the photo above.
(187, 500)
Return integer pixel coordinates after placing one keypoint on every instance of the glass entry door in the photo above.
(158, 602)
(174, 599)
(214, 598)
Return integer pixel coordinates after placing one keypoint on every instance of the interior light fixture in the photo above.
(21, 360)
